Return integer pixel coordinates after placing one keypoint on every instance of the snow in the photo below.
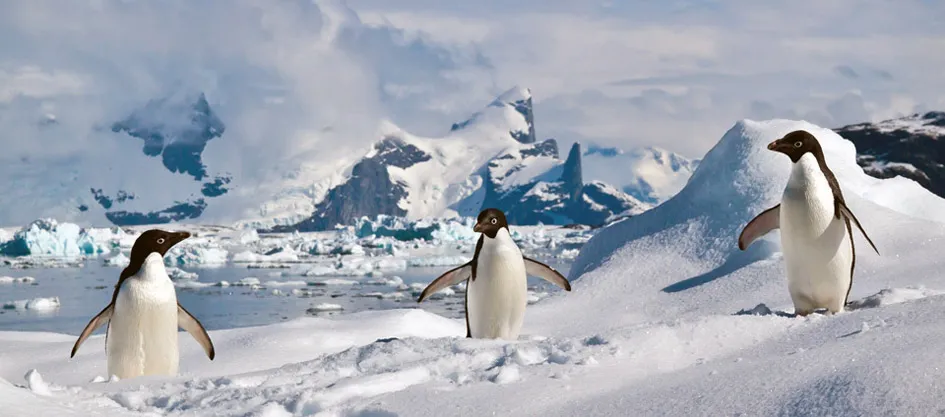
(666, 317)
(924, 124)
(536, 168)
(649, 174)
(880, 167)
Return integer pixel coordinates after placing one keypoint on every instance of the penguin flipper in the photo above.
(849, 214)
(545, 272)
(99, 320)
(765, 222)
(449, 278)
(188, 322)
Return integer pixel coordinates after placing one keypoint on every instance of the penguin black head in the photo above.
(490, 221)
(155, 240)
(796, 144)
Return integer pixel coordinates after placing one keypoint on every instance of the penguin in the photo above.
(496, 286)
(816, 231)
(144, 314)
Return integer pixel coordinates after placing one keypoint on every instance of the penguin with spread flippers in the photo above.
(496, 286)
(816, 230)
(144, 314)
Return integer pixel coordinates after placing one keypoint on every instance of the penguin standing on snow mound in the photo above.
(144, 314)
(496, 286)
(816, 235)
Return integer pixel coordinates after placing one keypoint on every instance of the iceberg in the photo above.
(35, 304)
(457, 229)
(196, 255)
(48, 237)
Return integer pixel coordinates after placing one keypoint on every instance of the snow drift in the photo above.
(666, 317)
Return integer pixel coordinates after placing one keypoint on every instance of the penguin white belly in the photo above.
(816, 245)
(498, 296)
(142, 334)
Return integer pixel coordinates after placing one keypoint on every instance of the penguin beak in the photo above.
(776, 146)
(477, 228)
(178, 237)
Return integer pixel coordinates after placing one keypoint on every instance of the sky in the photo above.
(677, 74)
(672, 73)
(301, 82)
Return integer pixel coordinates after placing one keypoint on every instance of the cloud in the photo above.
(295, 82)
(799, 57)
(846, 71)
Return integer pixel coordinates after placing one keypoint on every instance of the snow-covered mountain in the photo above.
(649, 174)
(912, 146)
(533, 185)
(177, 130)
(490, 160)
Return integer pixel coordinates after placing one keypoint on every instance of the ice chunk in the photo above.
(35, 304)
(248, 236)
(280, 255)
(333, 281)
(196, 255)
(180, 274)
(118, 259)
(35, 382)
(192, 284)
(18, 280)
(48, 237)
(247, 282)
(437, 261)
(318, 308)
(408, 230)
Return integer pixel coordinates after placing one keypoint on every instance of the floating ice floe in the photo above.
(17, 280)
(325, 307)
(424, 261)
(35, 304)
(357, 266)
(179, 274)
(280, 255)
(118, 259)
(196, 255)
(333, 281)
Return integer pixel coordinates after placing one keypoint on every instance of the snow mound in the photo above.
(739, 178)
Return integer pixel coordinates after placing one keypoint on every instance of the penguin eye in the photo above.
(798, 144)
(495, 220)
(160, 241)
